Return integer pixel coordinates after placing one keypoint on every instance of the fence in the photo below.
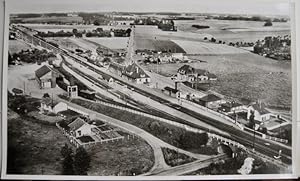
(183, 126)
(77, 143)
(215, 113)
(264, 136)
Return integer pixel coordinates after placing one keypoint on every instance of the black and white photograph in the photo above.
(139, 88)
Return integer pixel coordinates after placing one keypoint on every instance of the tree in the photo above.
(96, 22)
(74, 31)
(46, 95)
(268, 23)
(68, 162)
(251, 120)
(81, 161)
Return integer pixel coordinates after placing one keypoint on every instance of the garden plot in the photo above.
(206, 48)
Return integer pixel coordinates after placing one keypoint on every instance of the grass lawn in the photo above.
(121, 157)
(15, 46)
(34, 147)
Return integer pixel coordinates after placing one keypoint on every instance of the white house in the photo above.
(260, 112)
(47, 105)
(80, 128)
(136, 74)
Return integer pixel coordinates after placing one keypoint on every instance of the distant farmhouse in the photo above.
(191, 74)
(46, 77)
(167, 25)
(136, 74)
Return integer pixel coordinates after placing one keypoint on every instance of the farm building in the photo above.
(116, 68)
(191, 74)
(46, 77)
(136, 74)
(260, 112)
(171, 92)
(210, 101)
(47, 105)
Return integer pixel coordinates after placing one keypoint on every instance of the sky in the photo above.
(264, 7)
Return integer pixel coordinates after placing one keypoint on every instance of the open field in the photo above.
(158, 45)
(206, 48)
(121, 158)
(15, 46)
(246, 76)
(111, 42)
(234, 31)
(152, 32)
(53, 19)
(56, 28)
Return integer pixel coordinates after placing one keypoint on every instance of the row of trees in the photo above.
(30, 56)
(77, 163)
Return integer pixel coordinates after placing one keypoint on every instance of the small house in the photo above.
(46, 77)
(171, 92)
(47, 105)
(80, 128)
(136, 74)
(260, 112)
(230, 107)
(211, 101)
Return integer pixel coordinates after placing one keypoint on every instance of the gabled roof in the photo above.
(260, 107)
(76, 124)
(187, 69)
(135, 72)
(210, 98)
(171, 89)
(42, 71)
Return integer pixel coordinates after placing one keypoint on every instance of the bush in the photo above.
(268, 23)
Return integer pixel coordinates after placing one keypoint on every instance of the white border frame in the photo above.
(295, 31)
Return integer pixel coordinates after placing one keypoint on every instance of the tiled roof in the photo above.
(134, 71)
(42, 71)
(76, 124)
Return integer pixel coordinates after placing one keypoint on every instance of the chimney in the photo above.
(176, 85)
(137, 69)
